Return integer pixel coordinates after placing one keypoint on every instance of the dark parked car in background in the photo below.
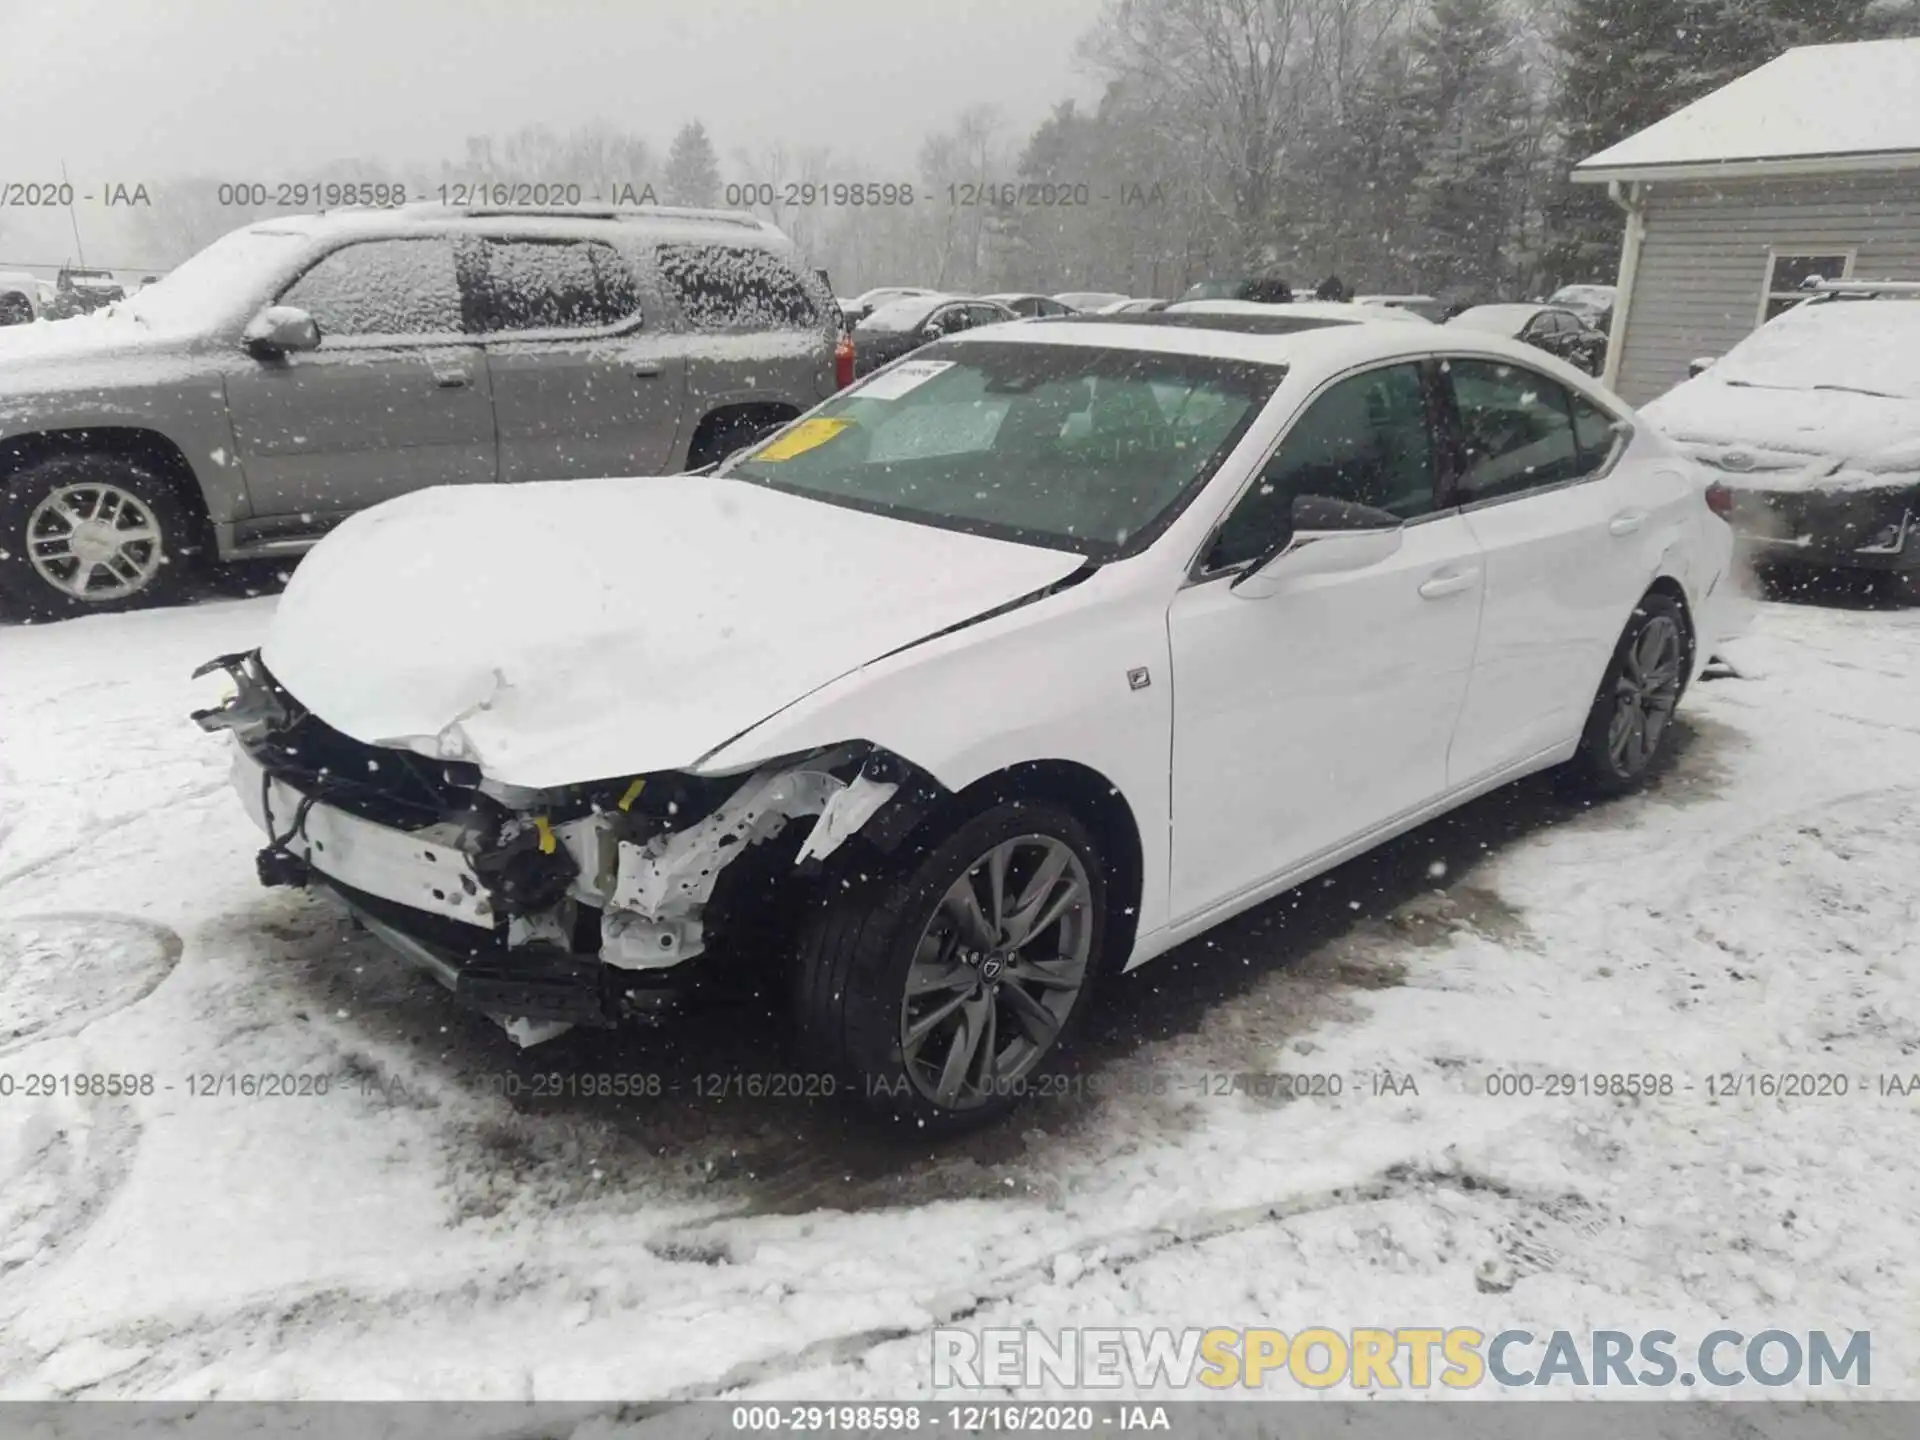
(1032, 306)
(19, 298)
(868, 301)
(1547, 327)
(80, 292)
(905, 325)
(1262, 289)
(1592, 303)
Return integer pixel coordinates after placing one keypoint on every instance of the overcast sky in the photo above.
(254, 89)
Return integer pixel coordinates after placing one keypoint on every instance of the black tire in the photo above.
(727, 434)
(858, 944)
(158, 567)
(1602, 766)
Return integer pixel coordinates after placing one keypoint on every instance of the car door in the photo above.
(1307, 717)
(1564, 529)
(395, 399)
(583, 385)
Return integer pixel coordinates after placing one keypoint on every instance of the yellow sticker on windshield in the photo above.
(808, 435)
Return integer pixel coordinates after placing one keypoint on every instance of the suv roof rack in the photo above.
(1860, 287)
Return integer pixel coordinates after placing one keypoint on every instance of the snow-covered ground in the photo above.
(415, 1232)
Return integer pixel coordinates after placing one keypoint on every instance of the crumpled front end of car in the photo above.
(544, 909)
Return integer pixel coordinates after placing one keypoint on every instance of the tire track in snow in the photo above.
(61, 972)
(98, 828)
(1119, 1251)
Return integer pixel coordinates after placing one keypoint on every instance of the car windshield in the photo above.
(1869, 346)
(1075, 447)
(205, 289)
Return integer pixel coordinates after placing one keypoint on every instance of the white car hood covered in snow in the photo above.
(581, 630)
(1798, 431)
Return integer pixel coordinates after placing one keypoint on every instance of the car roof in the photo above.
(641, 222)
(1329, 310)
(1326, 346)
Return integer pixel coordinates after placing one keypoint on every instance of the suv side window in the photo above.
(1366, 440)
(1517, 431)
(727, 287)
(382, 288)
(979, 315)
(524, 285)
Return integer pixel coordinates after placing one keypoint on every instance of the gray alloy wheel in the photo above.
(95, 541)
(1644, 695)
(997, 971)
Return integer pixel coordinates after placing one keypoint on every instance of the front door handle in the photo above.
(646, 371)
(1626, 522)
(451, 379)
(1448, 582)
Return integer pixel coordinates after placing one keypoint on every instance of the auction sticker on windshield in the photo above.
(908, 375)
(808, 435)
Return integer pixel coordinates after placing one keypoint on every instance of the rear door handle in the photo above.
(646, 372)
(1448, 582)
(1626, 522)
(451, 379)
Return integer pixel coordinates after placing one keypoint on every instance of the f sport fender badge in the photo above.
(1138, 678)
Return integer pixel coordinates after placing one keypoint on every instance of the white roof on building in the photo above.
(1817, 108)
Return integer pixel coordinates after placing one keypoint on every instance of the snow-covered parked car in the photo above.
(308, 366)
(1009, 668)
(1813, 424)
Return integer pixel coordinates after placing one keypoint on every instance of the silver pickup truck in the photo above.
(304, 368)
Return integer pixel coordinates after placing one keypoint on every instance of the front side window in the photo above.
(534, 285)
(1787, 271)
(382, 289)
(1069, 446)
(1365, 441)
(1518, 431)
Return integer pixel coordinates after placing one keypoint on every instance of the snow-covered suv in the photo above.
(304, 368)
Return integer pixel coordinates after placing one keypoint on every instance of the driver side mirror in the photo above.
(282, 330)
(1699, 365)
(1326, 537)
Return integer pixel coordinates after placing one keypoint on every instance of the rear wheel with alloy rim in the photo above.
(942, 989)
(1632, 715)
(89, 532)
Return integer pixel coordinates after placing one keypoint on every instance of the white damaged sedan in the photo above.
(1007, 669)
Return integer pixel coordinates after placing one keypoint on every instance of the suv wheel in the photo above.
(88, 533)
(940, 988)
(1632, 715)
(730, 433)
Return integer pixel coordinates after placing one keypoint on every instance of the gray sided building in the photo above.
(1808, 166)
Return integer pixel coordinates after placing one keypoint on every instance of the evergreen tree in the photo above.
(1466, 106)
(693, 170)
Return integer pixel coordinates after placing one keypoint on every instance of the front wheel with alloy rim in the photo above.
(86, 533)
(1632, 715)
(942, 986)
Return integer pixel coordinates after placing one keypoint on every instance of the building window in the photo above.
(1788, 270)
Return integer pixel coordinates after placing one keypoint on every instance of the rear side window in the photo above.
(725, 287)
(381, 288)
(532, 285)
(1522, 431)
